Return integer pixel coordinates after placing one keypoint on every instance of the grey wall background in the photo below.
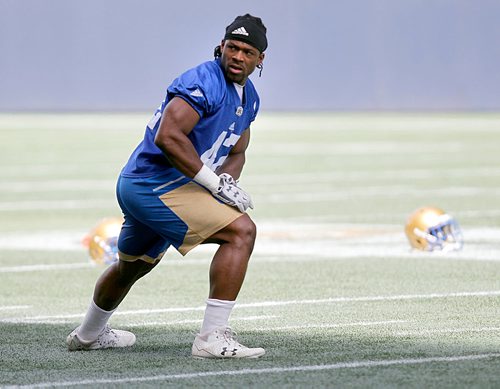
(108, 55)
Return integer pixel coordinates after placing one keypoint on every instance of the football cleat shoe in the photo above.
(222, 343)
(107, 338)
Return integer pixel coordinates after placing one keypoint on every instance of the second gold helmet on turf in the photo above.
(430, 228)
(103, 241)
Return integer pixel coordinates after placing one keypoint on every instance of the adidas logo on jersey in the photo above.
(196, 93)
(240, 31)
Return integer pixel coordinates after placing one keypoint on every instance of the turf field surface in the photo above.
(333, 292)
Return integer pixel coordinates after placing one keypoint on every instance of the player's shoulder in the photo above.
(209, 79)
(207, 74)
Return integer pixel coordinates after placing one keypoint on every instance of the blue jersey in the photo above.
(223, 118)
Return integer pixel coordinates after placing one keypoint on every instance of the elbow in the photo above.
(163, 143)
(164, 146)
(170, 145)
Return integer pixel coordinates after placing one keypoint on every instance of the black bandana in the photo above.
(246, 29)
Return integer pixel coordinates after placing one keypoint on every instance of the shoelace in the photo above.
(230, 336)
(107, 336)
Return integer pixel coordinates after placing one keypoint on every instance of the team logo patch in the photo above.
(239, 111)
(196, 93)
(240, 31)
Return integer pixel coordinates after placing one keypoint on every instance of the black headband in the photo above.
(248, 29)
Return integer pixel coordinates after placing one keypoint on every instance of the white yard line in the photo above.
(195, 321)
(326, 326)
(271, 370)
(57, 186)
(386, 148)
(60, 266)
(57, 205)
(332, 300)
(445, 331)
(281, 241)
(14, 307)
(273, 198)
(371, 299)
(371, 192)
(280, 181)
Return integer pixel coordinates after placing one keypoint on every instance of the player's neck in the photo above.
(239, 90)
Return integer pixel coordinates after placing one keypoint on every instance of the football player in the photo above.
(179, 188)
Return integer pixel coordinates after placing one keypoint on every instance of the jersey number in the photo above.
(209, 157)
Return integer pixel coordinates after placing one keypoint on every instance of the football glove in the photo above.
(231, 194)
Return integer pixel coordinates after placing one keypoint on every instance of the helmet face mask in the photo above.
(431, 229)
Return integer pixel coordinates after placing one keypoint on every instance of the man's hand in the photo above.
(224, 188)
(230, 193)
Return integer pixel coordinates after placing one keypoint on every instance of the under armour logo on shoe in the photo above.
(225, 350)
(240, 31)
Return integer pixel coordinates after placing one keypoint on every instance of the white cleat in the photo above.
(222, 343)
(107, 338)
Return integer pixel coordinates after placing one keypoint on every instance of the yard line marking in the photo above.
(61, 266)
(445, 331)
(357, 324)
(14, 307)
(197, 321)
(387, 148)
(269, 304)
(141, 324)
(58, 318)
(371, 298)
(373, 191)
(283, 241)
(50, 185)
(282, 180)
(357, 175)
(57, 205)
(276, 197)
(271, 370)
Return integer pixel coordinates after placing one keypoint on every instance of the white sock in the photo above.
(217, 315)
(93, 323)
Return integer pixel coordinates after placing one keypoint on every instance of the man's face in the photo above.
(239, 60)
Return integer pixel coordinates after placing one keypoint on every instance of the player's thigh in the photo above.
(201, 213)
(138, 241)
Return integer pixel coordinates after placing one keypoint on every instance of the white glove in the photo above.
(224, 188)
(230, 193)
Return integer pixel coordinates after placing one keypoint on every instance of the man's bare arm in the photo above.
(178, 119)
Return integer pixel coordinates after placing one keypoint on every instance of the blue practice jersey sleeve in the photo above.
(201, 88)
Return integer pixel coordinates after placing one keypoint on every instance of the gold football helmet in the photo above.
(430, 228)
(102, 241)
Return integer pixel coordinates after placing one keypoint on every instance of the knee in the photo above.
(246, 231)
(129, 272)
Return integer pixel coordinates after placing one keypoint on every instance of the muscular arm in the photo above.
(178, 119)
(234, 162)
